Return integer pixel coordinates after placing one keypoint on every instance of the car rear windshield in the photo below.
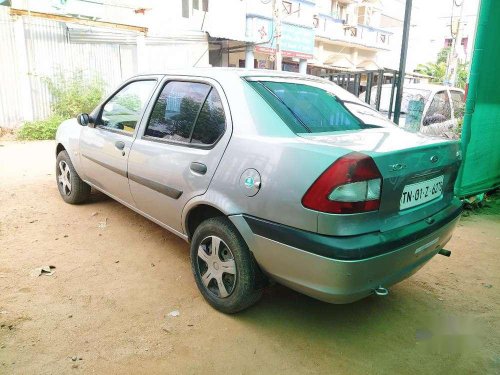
(310, 109)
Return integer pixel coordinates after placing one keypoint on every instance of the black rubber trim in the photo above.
(348, 247)
(163, 189)
(121, 172)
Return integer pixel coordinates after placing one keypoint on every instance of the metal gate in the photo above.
(366, 81)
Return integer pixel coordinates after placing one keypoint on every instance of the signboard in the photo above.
(296, 41)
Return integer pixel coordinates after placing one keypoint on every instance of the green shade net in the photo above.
(480, 170)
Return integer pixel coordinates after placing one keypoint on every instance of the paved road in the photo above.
(118, 276)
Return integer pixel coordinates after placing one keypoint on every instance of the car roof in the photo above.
(218, 72)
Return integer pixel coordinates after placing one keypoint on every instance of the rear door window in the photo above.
(176, 110)
(211, 121)
(310, 109)
(189, 113)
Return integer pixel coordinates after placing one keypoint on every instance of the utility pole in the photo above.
(402, 61)
(452, 67)
(277, 5)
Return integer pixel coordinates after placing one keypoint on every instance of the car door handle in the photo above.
(199, 168)
(120, 145)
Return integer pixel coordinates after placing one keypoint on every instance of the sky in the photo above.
(430, 25)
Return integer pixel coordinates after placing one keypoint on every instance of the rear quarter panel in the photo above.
(287, 165)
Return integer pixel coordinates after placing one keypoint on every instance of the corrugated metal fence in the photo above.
(10, 94)
(34, 48)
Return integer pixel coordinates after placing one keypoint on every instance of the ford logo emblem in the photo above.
(434, 159)
(397, 167)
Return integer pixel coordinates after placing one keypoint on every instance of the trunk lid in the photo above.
(411, 164)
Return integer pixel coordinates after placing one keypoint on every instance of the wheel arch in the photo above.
(60, 147)
(197, 214)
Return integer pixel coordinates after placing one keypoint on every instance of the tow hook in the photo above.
(445, 252)
(381, 291)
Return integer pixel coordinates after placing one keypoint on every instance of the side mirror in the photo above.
(83, 119)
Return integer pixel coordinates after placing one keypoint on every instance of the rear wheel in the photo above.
(223, 267)
(71, 187)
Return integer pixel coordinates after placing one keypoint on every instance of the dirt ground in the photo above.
(118, 276)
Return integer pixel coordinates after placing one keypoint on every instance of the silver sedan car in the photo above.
(269, 176)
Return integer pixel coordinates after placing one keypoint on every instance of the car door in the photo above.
(105, 144)
(437, 119)
(179, 147)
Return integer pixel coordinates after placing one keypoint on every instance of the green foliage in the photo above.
(71, 94)
(129, 101)
(442, 56)
(40, 130)
(437, 70)
(74, 94)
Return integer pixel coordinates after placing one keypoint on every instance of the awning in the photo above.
(219, 34)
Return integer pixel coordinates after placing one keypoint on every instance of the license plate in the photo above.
(421, 192)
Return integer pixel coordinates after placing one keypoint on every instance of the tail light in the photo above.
(350, 185)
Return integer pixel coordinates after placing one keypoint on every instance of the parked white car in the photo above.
(443, 106)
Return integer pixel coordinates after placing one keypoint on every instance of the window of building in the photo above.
(287, 7)
(204, 5)
(196, 4)
(123, 110)
(342, 12)
(185, 8)
(187, 112)
(316, 21)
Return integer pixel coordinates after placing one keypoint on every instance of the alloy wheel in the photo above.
(64, 177)
(216, 266)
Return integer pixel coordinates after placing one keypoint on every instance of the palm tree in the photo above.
(436, 70)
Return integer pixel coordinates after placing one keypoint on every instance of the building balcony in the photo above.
(338, 30)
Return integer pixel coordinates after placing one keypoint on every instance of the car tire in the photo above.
(240, 284)
(71, 187)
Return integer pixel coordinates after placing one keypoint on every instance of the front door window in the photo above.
(123, 110)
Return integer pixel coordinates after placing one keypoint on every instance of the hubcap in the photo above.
(217, 266)
(64, 177)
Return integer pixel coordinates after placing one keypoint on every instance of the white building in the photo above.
(350, 35)
(115, 39)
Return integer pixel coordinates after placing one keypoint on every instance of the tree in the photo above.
(437, 70)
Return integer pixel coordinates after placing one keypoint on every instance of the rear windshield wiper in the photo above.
(287, 107)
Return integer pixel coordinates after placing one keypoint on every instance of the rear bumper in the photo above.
(345, 269)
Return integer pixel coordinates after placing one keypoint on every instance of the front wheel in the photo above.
(71, 187)
(224, 270)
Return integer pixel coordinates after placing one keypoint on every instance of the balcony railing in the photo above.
(336, 29)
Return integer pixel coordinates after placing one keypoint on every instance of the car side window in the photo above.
(211, 121)
(457, 100)
(187, 112)
(439, 110)
(176, 110)
(123, 110)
